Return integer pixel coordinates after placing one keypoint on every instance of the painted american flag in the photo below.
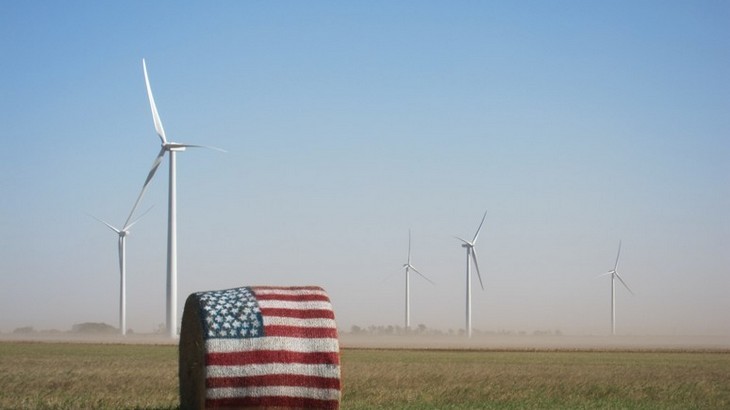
(270, 347)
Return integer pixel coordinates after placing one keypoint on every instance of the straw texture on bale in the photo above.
(259, 347)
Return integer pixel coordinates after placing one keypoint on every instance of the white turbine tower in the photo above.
(122, 234)
(471, 255)
(171, 148)
(614, 274)
(408, 267)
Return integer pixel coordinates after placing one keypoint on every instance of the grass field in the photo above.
(109, 376)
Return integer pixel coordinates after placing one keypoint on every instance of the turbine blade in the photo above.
(155, 116)
(624, 283)
(604, 274)
(155, 164)
(476, 265)
(202, 146)
(476, 235)
(409, 246)
(422, 275)
(464, 240)
(615, 265)
(138, 218)
(390, 275)
(105, 223)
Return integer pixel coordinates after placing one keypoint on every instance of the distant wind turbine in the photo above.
(614, 274)
(122, 233)
(408, 267)
(172, 148)
(471, 255)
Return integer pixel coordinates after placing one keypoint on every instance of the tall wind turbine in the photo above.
(614, 274)
(171, 148)
(122, 233)
(471, 255)
(408, 267)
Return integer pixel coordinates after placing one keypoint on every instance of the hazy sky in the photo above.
(575, 124)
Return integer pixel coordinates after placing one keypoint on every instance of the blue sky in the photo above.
(575, 124)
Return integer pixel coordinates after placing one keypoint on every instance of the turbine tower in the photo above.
(171, 148)
(614, 274)
(471, 255)
(122, 246)
(408, 267)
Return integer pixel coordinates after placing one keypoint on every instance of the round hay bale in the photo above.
(260, 346)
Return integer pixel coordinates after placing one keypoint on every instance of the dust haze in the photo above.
(446, 342)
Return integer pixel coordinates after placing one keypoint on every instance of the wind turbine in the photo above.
(471, 255)
(614, 274)
(122, 243)
(171, 148)
(408, 267)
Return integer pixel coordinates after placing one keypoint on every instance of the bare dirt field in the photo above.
(549, 343)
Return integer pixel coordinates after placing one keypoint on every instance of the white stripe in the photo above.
(259, 391)
(321, 370)
(294, 344)
(289, 292)
(292, 321)
(305, 305)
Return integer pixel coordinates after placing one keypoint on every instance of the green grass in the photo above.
(78, 376)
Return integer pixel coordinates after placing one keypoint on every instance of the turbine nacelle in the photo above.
(173, 146)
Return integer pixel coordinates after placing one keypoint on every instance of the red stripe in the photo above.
(293, 298)
(272, 401)
(270, 356)
(299, 313)
(296, 331)
(255, 288)
(293, 380)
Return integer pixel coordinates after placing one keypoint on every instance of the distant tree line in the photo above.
(79, 328)
(95, 328)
